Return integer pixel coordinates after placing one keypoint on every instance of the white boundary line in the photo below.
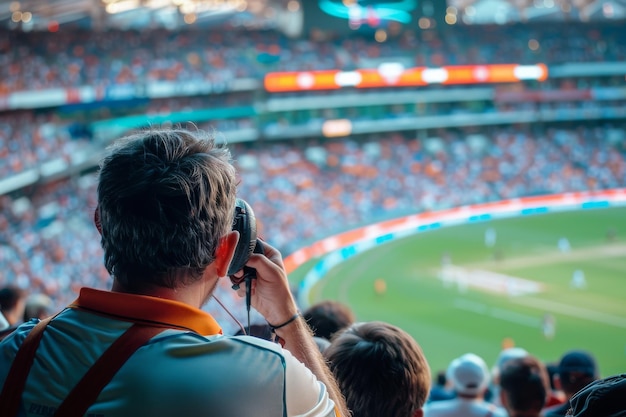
(572, 311)
(498, 313)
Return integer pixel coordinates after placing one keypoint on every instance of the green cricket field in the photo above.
(547, 282)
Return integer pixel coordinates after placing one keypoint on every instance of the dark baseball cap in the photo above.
(578, 361)
(602, 398)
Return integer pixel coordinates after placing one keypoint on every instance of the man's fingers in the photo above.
(264, 266)
(270, 253)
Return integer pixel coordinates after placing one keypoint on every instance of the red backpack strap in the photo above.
(11, 396)
(86, 391)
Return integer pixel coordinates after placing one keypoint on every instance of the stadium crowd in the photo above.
(29, 139)
(40, 60)
(35, 61)
(302, 192)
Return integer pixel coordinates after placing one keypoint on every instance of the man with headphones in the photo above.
(166, 204)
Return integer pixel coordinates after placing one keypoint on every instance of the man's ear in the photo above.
(96, 220)
(225, 252)
(418, 413)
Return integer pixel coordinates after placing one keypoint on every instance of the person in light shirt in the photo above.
(469, 377)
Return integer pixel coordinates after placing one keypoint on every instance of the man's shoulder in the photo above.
(191, 352)
(173, 337)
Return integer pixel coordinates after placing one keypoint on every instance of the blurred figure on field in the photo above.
(327, 317)
(380, 286)
(37, 306)
(469, 378)
(602, 398)
(490, 237)
(439, 390)
(548, 326)
(576, 370)
(381, 370)
(564, 245)
(12, 304)
(524, 387)
(578, 280)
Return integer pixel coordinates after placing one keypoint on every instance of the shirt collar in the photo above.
(147, 309)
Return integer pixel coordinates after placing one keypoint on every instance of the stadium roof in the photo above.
(97, 14)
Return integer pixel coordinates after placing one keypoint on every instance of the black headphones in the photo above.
(245, 223)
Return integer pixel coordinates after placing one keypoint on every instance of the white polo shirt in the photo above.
(180, 373)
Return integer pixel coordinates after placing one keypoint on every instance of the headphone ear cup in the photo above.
(245, 223)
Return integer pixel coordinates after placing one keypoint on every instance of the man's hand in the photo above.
(271, 295)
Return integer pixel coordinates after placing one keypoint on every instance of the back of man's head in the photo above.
(469, 375)
(165, 199)
(380, 369)
(327, 317)
(576, 370)
(524, 386)
(602, 398)
(503, 357)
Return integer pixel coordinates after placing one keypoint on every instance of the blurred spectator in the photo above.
(381, 370)
(327, 317)
(5, 328)
(524, 386)
(12, 304)
(4, 324)
(601, 398)
(469, 378)
(576, 370)
(262, 331)
(505, 355)
(439, 390)
(37, 306)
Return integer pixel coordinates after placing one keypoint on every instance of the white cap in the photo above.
(508, 354)
(469, 374)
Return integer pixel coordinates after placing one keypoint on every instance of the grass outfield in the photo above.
(449, 319)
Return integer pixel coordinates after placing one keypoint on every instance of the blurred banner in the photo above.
(395, 75)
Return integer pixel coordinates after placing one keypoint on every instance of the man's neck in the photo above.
(195, 294)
